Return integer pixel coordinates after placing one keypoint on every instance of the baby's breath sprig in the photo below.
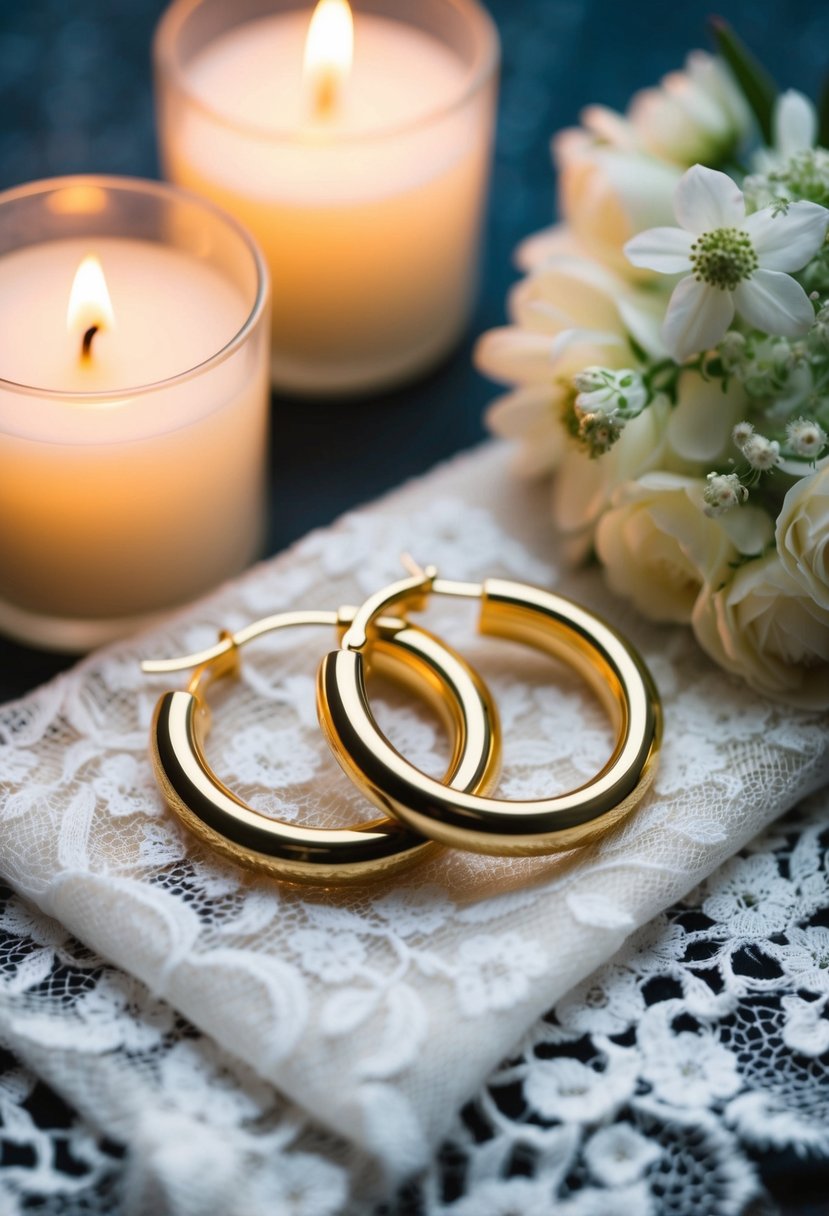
(605, 401)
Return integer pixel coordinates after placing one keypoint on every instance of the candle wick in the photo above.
(86, 344)
(325, 94)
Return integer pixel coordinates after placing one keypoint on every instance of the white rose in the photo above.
(698, 115)
(658, 547)
(802, 535)
(608, 195)
(764, 627)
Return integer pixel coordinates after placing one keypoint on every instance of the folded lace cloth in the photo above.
(381, 1009)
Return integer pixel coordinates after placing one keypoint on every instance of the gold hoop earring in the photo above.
(468, 820)
(304, 854)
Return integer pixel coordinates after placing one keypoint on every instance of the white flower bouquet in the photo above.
(669, 359)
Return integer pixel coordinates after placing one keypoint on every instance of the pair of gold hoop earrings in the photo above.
(419, 810)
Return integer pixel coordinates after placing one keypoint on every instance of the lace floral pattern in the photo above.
(662, 1085)
(410, 993)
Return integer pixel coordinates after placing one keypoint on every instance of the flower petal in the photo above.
(666, 250)
(794, 124)
(788, 240)
(700, 424)
(706, 199)
(511, 354)
(512, 415)
(697, 318)
(775, 304)
(549, 243)
(750, 529)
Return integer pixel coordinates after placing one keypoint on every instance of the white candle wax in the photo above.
(118, 499)
(368, 215)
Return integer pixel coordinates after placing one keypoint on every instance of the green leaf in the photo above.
(758, 86)
(823, 115)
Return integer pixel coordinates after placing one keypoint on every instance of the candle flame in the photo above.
(329, 51)
(90, 307)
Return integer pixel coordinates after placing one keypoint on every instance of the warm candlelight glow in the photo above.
(329, 50)
(90, 308)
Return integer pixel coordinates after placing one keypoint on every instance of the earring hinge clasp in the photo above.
(413, 592)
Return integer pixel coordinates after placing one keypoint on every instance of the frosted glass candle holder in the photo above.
(132, 476)
(370, 216)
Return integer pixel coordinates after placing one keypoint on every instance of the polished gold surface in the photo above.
(470, 820)
(316, 855)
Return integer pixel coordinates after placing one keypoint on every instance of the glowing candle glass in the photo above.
(363, 182)
(133, 405)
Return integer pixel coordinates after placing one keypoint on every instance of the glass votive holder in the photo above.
(133, 406)
(370, 214)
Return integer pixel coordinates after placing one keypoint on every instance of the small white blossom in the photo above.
(724, 491)
(736, 263)
(613, 392)
(761, 453)
(591, 380)
(805, 437)
(619, 1155)
(742, 433)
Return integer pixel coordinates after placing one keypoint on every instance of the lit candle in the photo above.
(361, 176)
(133, 405)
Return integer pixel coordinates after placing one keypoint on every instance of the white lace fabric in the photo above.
(655, 1087)
(380, 1010)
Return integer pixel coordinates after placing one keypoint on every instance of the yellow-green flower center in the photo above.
(723, 258)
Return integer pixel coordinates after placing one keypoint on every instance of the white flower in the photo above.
(126, 788)
(567, 316)
(688, 1069)
(332, 957)
(605, 1004)
(568, 1090)
(766, 627)
(658, 547)
(806, 1028)
(723, 491)
(607, 194)
(751, 899)
(617, 1156)
(802, 535)
(695, 115)
(761, 453)
(261, 755)
(301, 1184)
(806, 438)
(607, 391)
(805, 959)
(736, 262)
(493, 972)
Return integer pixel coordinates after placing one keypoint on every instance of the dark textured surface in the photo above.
(75, 96)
